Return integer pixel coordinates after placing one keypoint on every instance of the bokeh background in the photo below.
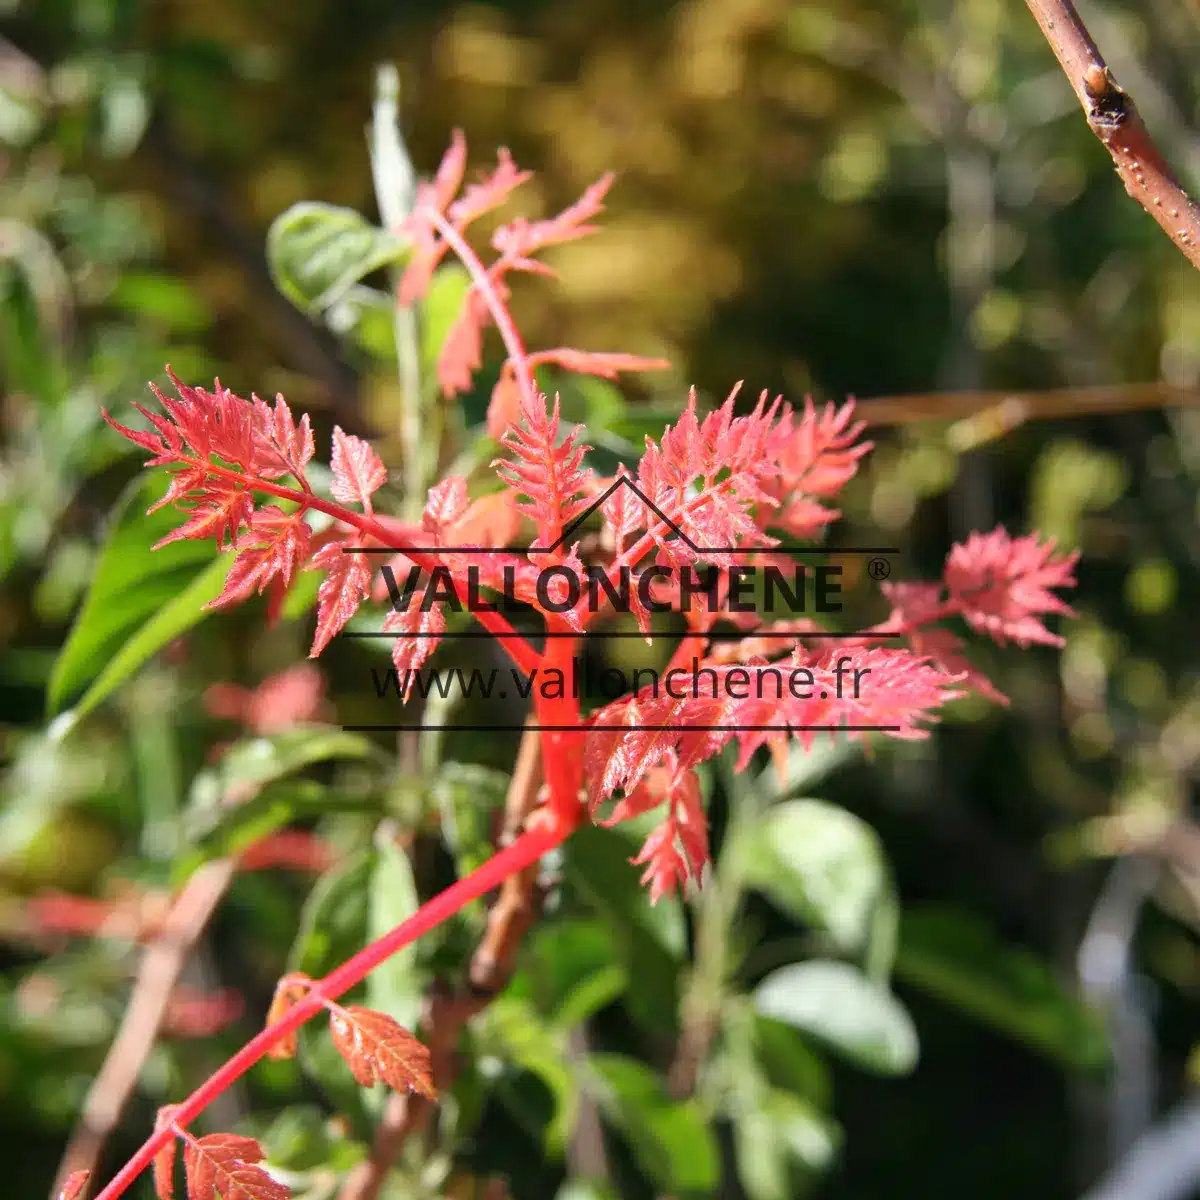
(900, 202)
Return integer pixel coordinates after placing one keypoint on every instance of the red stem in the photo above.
(523, 853)
(482, 279)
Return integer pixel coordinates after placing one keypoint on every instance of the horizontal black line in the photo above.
(719, 637)
(626, 728)
(833, 550)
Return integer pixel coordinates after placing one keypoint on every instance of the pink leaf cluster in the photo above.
(720, 488)
(516, 244)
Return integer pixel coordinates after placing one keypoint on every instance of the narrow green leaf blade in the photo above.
(139, 600)
(959, 960)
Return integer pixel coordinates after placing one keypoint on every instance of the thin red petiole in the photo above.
(482, 279)
(523, 853)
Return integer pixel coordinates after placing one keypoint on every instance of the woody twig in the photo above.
(1114, 119)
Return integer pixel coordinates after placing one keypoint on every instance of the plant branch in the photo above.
(541, 837)
(158, 973)
(500, 314)
(521, 652)
(446, 1012)
(1114, 119)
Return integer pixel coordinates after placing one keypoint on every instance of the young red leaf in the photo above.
(550, 474)
(422, 632)
(504, 408)
(378, 1048)
(282, 447)
(290, 989)
(446, 502)
(346, 585)
(219, 513)
(74, 1185)
(520, 239)
(489, 521)
(601, 364)
(490, 192)
(277, 544)
(164, 1160)
(666, 869)
(461, 354)
(1001, 585)
(358, 472)
(223, 1166)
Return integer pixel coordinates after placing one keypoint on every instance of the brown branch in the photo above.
(1114, 119)
(158, 972)
(446, 1011)
(1007, 409)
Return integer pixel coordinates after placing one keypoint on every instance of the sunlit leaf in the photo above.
(317, 252)
(378, 1049)
(844, 1009)
(821, 864)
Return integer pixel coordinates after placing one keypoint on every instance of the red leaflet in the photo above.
(223, 1166)
(277, 544)
(164, 1160)
(220, 514)
(379, 1049)
(1001, 585)
(282, 447)
(550, 475)
(490, 193)
(423, 632)
(603, 365)
(279, 702)
(358, 472)
(291, 989)
(446, 503)
(519, 240)
(74, 1186)
(192, 1014)
(296, 849)
(346, 585)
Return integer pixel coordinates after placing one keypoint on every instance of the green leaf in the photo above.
(651, 938)
(959, 960)
(818, 863)
(788, 1062)
(467, 795)
(333, 921)
(139, 600)
(393, 987)
(573, 971)
(317, 252)
(162, 298)
(253, 763)
(834, 1002)
(775, 1134)
(226, 830)
(512, 1031)
(585, 1189)
(670, 1139)
(440, 306)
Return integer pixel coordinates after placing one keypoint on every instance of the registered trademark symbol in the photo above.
(879, 568)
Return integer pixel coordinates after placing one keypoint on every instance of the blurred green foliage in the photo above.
(886, 990)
